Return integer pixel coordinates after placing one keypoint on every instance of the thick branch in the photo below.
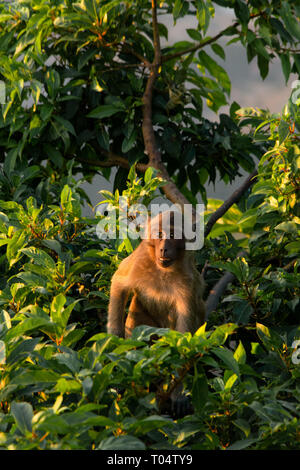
(147, 126)
(170, 189)
(235, 197)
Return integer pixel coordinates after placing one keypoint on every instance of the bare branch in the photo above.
(213, 298)
(111, 159)
(229, 202)
(212, 301)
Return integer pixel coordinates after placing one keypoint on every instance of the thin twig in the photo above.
(204, 43)
(197, 46)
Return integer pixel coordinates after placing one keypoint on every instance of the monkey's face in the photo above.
(168, 250)
(167, 240)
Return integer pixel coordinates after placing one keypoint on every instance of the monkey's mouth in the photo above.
(165, 262)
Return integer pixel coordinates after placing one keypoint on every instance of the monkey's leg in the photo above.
(136, 316)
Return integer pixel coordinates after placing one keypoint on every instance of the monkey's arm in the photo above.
(119, 292)
(187, 317)
(116, 309)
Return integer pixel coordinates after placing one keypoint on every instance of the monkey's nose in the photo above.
(163, 252)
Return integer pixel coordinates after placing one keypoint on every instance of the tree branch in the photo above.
(111, 160)
(205, 42)
(229, 202)
(170, 189)
(213, 298)
(197, 46)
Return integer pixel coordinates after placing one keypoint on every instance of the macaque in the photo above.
(166, 286)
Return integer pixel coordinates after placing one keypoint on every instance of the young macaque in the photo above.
(166, 286)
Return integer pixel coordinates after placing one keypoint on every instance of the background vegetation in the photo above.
(89, 87)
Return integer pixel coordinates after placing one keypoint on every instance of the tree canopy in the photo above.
(90, 81)
(89, 86)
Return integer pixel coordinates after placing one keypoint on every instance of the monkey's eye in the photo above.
(160, 235)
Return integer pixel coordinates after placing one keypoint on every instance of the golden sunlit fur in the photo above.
(166, 286)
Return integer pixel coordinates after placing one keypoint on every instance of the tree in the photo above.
(90, 82)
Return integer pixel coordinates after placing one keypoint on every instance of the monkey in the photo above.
(167, 288)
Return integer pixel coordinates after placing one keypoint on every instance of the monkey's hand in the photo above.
(181, 406)
(119, 331)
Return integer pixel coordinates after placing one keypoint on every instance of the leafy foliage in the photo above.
(74, 90)
(268, 281)
(65, 385)
(74, 94)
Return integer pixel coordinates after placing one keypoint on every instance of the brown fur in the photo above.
(166, 286)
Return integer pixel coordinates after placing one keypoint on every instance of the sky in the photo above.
(247, 88)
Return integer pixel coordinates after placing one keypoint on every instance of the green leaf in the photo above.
(67, 125)
(242, 444)
(64, 385)
(14, 246)
(242, 11)
(293, 247)
(243, 425)
(219, 51)
(260, 49)
(53, 82)
(194, 34)
(240, 354)
(129, 142)
(144, 333)
(270, 338)
(57, 306)
(290, 21)
(216, 71)
(178, 5)
(27, 325)
(199, 391)
(242, 311)
(122, 443)
(286, 66)
(283, 130)
(228, 358)
(288, 227)
(23, 415)
(10, 160)
(105, 110)
(203, 14)
(36, 377)
(148, 175)
(40, 257)
(263, 65)
(220, 334)
(58, 313)
(143, 426)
